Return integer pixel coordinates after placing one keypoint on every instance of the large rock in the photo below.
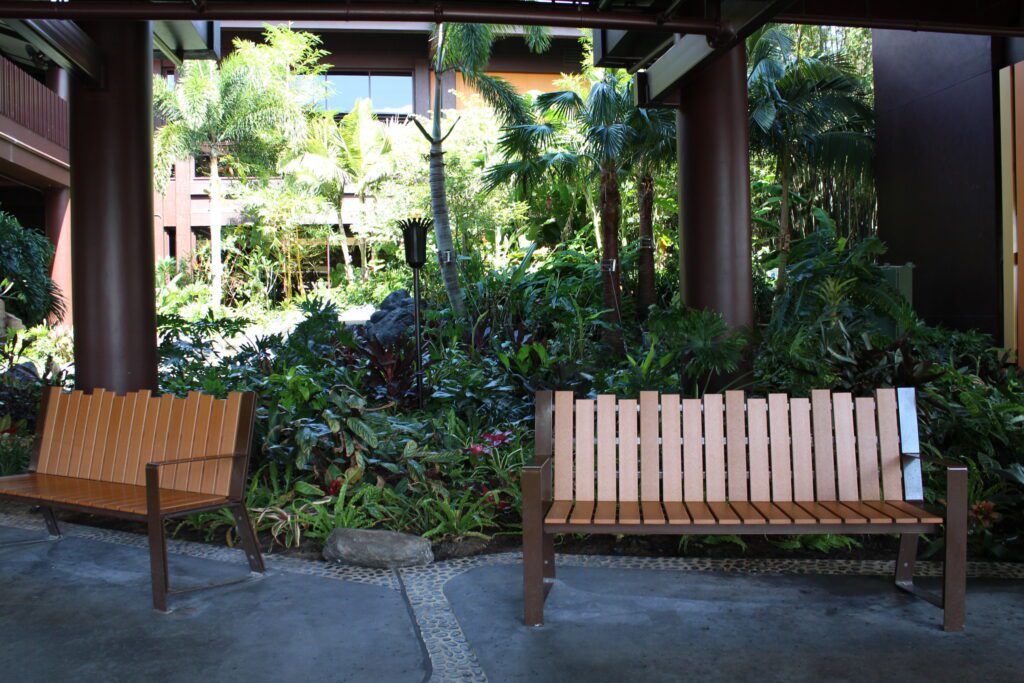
(377, 548)
(393, 319)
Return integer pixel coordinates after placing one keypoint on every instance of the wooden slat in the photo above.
(723, 513)
(127, 471)
(584, 456)
(844, 513)
(782, 457)
(183, 480)
(560, 509)
(606, 474)
(714, 449)
(147, 441)
(629, 512)
(233, 416)
(736, 445)
(676, 513)
(693, 450)
(582, 511)
(174, 477)
(671, 450)
(650, 460)
(818, 510)
(652, 512)
(796, 513)
(542, 427)
(87, 447)
(563, 445)
(604, 512)
(867, 449)
(67, 435)
(203, 477)
(106, 450)
(757, 437)
(889, 444)
(824, 457)
(922, 514)
(699, 512)
(113, 463)
(803, 469)
(92, 463)
(54, 409)
(629, 467)
(771, 512)
(846, 452)
(898, 515)
(873, 515)
(86, 420)
(747, 512)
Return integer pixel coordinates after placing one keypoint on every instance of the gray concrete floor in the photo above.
(80, 610)
(605, 624)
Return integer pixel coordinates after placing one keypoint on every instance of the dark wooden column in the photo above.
(714, 190)
(112, 213)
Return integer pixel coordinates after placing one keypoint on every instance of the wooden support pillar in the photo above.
(112, 213)
(714, 190)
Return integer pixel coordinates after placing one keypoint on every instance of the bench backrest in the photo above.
(108, 437)
(729, 447)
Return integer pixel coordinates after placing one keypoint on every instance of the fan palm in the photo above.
(466, 49)
(810, 111)
(341, 156)
(241, 112)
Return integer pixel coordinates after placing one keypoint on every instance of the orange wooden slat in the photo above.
(757, 430)
(234, 414)
(693, 450)
(803, 469)
(867, 449)
(172, 476)
(584, 457)
(873, 515)
(87, 447)
(113, 463)
(629, 466)
(699, 512)
(671, 453)
(85, 421)
(583, 510)
(889, 444)
(92, 467)
(923, 515)
(676, 513)
(559, 511)
(107, 448)
(796, 513)
(67, 436)
(772, 512)
(782, 457)
(185, 479)
(818, 510)
(604, 512)
(203, 477)
(629, 512)
(54, 407)
(652, 512)
(824, 454)
(723, 513)
(563, 445)
(714, 449)
(650, 460)
(147, 442)
(126, 471)
(736, 445)
(846, 446)
(898, 515)
(844, 513)
(747, 512)
(606, 474)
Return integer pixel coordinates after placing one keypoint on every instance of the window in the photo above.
(390, 93)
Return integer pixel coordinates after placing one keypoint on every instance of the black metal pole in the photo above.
(419, 345)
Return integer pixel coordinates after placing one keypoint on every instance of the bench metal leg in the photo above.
(533, 549)
(158, 562)
(549, 556)
(905, 561)
(248, 538)
(954, 570)
(51, 521)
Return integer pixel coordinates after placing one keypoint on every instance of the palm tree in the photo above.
(338, 156)
(652, 146)
(466, 49)
(242, 113)
(805, 110)
(598, 140)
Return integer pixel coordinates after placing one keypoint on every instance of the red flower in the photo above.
(478, 449)
(498, 438)
(334, 488)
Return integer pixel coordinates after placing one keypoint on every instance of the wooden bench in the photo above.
(141, 457)
(733, 465)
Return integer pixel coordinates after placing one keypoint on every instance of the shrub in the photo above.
(25, 285)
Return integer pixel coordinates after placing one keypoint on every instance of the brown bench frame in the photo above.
(156, 514)
(538, 534)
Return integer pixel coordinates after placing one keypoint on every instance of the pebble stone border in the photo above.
(451, 657)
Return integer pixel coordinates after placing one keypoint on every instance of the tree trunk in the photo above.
(446, 255)
(216, 264)
(349, 274)
(785, 236)
(611, 267)
(645, 199)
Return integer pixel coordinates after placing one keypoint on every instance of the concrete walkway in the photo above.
(79, 609)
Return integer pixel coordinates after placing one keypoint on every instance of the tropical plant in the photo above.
(25, 285)
(808, 111)
(337, 157)
(242, 113)
(465, 49)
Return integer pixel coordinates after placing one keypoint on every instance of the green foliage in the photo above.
(15, 450)
(25, 284)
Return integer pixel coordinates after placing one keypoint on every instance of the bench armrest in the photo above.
(538, 479)
(185, 461)
(153, 476)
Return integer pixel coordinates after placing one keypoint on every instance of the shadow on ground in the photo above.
(606, 624)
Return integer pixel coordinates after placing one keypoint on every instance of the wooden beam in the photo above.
(63, 42)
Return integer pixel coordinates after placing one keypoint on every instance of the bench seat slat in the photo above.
(747, 512)
(772, 512)
(723, 513)
(652, 512)
(873, 516)
(676, 513)
(799, 514)
(629, 512)
(700, 513)
(605, 512)
(582, 512)
(559, 512)
(845, 514)
(896, 514)
(922, 514)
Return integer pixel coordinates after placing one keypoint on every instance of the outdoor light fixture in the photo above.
(414, 234)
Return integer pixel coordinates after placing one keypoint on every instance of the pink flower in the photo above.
(478, 449)
(498, 438)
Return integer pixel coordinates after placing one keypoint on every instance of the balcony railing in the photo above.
(31, 104)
